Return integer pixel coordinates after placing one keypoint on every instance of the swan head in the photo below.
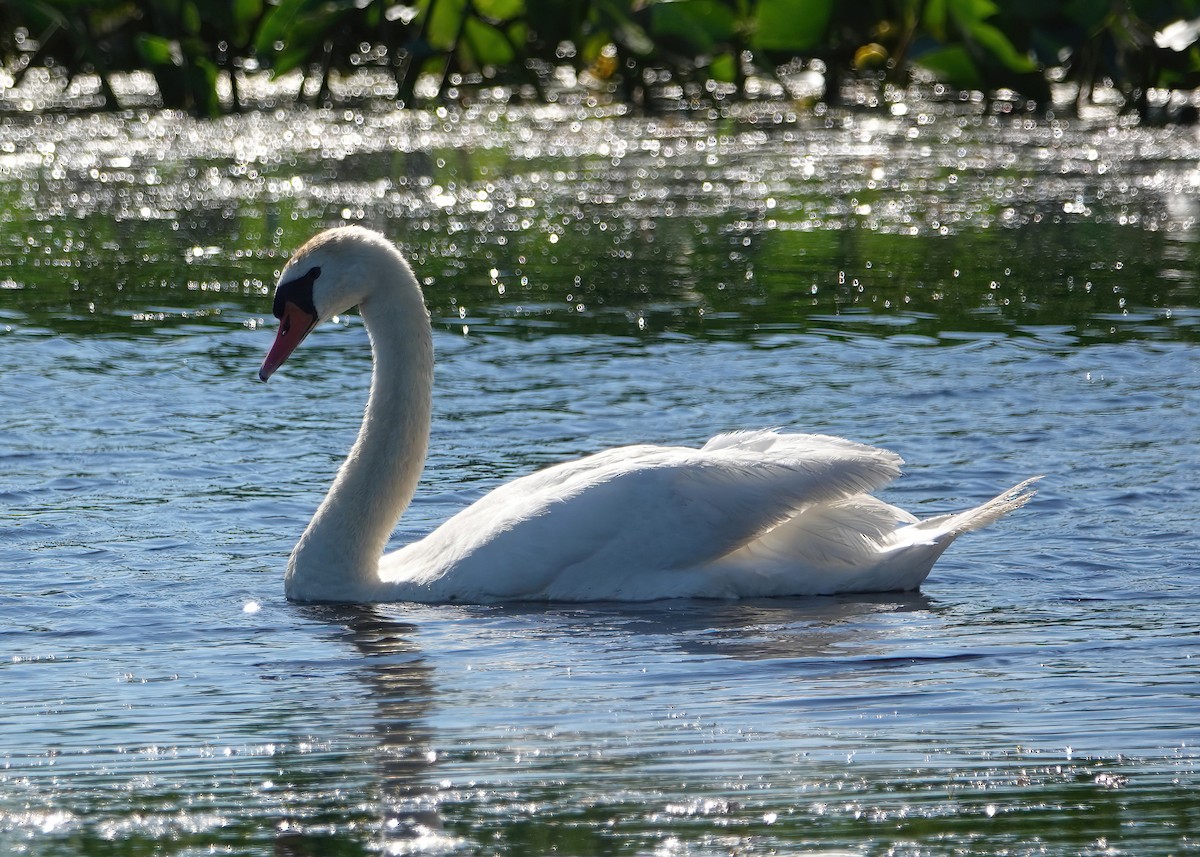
(331, 273)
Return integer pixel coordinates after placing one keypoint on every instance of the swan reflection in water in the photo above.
(399, 683)
(817, 627)
(647, 650)
(400, 679)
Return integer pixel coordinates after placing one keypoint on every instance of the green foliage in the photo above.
(620, 48)
(791, 25)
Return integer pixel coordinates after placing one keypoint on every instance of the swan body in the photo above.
(749, 514)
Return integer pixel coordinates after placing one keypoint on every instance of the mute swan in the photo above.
(749, 514)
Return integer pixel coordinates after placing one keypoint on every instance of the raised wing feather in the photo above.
(588, 525)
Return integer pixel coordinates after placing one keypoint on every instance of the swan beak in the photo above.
(294, 324)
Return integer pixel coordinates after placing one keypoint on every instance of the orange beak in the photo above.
(294, 324)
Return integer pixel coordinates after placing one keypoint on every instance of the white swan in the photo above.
(749, 514)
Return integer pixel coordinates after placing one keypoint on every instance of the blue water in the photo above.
(1039, 695)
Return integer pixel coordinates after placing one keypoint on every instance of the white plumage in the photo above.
(750, 514)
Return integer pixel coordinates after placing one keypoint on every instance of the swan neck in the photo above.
(337, 558)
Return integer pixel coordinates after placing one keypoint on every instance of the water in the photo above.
(990, 297)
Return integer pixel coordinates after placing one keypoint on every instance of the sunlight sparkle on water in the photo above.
(988, 294)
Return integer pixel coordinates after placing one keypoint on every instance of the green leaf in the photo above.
(936, 16)
(723, 68)
(445, 22)
(203, 79)
(191, 18)
(301, 27)
(488, 44)
(246, 14)
(518, 33)
(998, 45)
(972, 11)
(157, 50)
(276, 24)
(592, 47)
(500, 10)
(952, 65)
(622, 29)
(700, 25)
(791, 25)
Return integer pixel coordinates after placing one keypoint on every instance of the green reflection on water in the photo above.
(704, 230)
(1012, 808)
(1086, 281)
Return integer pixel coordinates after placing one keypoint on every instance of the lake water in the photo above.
(993, 297)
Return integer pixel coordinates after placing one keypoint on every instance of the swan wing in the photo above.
(856, 544)
(596, 527)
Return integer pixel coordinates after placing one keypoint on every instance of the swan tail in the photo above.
(859, 544)
(949, 527)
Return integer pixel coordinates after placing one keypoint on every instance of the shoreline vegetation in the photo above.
(225, 56)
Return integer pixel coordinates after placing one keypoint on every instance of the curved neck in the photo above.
(337, 558)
